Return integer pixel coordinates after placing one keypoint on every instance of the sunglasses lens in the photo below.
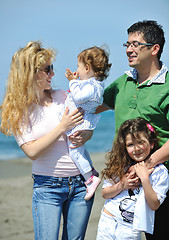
(48, 69)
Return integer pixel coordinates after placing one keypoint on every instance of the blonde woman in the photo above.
(30, 112)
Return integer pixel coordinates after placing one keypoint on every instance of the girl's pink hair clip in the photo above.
(150, 127)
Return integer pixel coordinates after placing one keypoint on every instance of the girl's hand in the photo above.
(71, 120)
(70, 75)
(130, 181)
(142, 171)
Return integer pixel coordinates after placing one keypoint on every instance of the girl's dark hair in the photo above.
(118, 158)
(98, 59)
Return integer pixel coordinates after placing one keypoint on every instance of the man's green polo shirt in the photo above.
(149, 100)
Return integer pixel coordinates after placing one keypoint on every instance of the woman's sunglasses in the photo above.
(48, 69)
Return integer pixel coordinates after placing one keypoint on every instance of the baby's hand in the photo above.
(70, 75)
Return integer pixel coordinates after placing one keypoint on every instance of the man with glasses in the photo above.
(144, 92)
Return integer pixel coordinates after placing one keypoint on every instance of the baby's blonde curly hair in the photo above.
(98, 59)
(22, 86)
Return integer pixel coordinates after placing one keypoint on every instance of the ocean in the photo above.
(101, 140)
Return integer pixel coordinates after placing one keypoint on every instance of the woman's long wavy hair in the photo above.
(118, 158)
(22, 86)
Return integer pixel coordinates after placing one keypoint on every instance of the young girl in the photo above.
(87, 93)
(126, 211)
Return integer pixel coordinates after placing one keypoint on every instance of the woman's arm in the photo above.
(35, 148)
(150, 195)
(129, 181)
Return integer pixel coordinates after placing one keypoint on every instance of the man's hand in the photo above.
(80, 137)
(142, 171)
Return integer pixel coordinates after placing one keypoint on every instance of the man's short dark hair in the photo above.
(152, 33)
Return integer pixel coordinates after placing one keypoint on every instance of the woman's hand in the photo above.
(71, 120)
(34, 149)
(80, 137)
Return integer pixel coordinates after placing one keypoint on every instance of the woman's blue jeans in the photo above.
(53, 196)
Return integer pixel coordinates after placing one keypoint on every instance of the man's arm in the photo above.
(102, 108)
(160, 156)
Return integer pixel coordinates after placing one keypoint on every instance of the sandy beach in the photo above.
(16, 200)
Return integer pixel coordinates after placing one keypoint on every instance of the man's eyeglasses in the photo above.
(135, 44)
(48, 69)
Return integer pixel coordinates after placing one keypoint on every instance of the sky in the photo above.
(70, 26)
